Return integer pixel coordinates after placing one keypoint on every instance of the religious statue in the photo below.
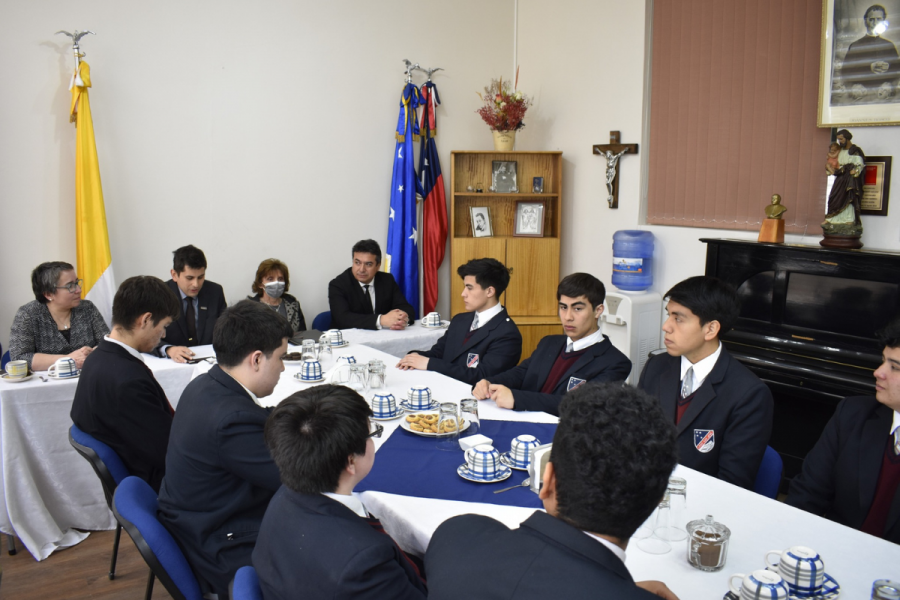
(842, 218)
(611, 161)
(775, 210)
(772, 229)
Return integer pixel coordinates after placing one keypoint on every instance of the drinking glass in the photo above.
(308, 350)
(653, 544)
(359, 379)
(324, 348)
(448, 417)
(376, 374)
(674, 531)
(884, 589)
(468, 412)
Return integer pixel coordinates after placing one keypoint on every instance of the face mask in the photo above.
(275, 289)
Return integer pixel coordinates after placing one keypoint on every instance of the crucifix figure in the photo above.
(613, 151)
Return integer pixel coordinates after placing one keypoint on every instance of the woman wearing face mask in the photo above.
(271, 284)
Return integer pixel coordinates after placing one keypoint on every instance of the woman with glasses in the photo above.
(57, 322)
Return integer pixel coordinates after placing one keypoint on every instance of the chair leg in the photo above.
(115, 553)
(149, 593)
(10, 545)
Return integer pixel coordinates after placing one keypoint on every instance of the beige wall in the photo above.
(266, 129)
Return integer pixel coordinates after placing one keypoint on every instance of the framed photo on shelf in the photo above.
(481, 221)
(876, 186)
(857, 83)
(529, 219)
(537, 185)
(503, 177)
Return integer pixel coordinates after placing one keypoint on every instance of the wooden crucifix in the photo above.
(613, 151)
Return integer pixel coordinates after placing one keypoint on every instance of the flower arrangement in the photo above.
(503, 108)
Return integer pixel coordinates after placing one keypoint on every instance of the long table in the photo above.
(397, 343)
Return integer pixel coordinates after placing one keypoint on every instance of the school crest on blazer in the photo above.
(704, 440)
(472, 361)
(574, 382)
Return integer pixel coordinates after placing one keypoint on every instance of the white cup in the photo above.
(521, 448)
(800, 567)
(17, 369)
(384, 406)
(483, 462)
(63, 368)
(335, 337)
(311, 370)
(759, 584)
(432, 319)
(419, 397)
(347, 359)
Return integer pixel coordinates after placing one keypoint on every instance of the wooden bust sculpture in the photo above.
(772, 229)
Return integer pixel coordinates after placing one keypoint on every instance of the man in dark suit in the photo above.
(219, 474)
(852, 475)
(362, 297)
(317, 541)
(118, 401)
(478, 343)
(202, 302)
(561, 363)
(722, 412)
(575, 550)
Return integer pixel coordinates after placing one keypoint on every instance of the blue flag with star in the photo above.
(403, 240)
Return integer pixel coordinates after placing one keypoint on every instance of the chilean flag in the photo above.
(434, 220)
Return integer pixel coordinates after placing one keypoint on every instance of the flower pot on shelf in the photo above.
(504, 141)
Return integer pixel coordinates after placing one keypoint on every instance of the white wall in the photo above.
(248, 129)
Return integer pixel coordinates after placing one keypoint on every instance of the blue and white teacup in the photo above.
(63, 368)
(384, 406)
(311, 370)
(432, 319)
(335, 337)
(520, 450)
(800, 567)
(347, 359)
(419, 397)
(483, 462)
(759, 584)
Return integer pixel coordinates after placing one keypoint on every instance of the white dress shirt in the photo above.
(615, 549)
(352, 502)
(371, 285)
(487, 314)
(702, 368)
(252, 395)
(585, 342)
(131, 350)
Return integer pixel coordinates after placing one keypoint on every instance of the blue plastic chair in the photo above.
(322, 322)
(768, 478)
(135, 505)
(109, 468)
(246, 585)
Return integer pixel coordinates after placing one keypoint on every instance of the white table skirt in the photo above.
(396, 343)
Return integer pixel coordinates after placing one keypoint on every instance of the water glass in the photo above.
(308, 350)
(376, 370)
(884, 589)
(359, 379)
(324, 349)
(468, 413)
(675, 531)
(448, 427)
(654, 544)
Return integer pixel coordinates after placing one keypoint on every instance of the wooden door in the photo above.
(535, 275)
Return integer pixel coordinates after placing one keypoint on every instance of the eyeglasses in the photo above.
(72, 287)
(375, 429)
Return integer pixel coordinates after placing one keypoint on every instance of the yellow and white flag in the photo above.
(92, 238)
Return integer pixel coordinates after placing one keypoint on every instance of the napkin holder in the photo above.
(474, 440)
(540, 456)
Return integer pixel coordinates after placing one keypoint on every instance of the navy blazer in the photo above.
(347, 301)
(732, 403)
(119, 402)
(600, 362)
(840, 473)
(313, 547)
(495, 347)
(473, 556)
(211, 304)
(219, 476)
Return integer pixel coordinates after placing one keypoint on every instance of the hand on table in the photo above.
(502, 395)
(413, 361)
(396, 319)
(482, 391)
(658, 588)
(79, 355)
(180, 354)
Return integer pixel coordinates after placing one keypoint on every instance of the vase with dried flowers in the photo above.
(503, 110)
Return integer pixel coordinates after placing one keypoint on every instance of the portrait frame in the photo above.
(876, 186)
(529, 219)
(854, 99)
(486, 230)
(537, 185)
(503, 177)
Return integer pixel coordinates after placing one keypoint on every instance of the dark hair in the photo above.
(847, 135)
(311, 435)
(246, 327)
(488, 272)
(266, 267)
(143, 294)
(188, 256)
(613, 453)
(709, 298)
(866, 16)
(368, 246)
(582, 284)
(45, 276)
(889, 335)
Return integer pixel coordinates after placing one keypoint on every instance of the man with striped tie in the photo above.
(852, 475)
(722, 412)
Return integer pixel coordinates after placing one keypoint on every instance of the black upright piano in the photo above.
(807, 328)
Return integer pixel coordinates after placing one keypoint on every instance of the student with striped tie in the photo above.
(722, 412)
(852, 475)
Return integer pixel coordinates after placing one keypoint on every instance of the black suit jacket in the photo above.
(472, 556)
(211, 304)
(347, 301)
(313, 547)
(732, 402)
(497, 343)
(119, 402)
(219, 476)
(840, 473)
(600, 362)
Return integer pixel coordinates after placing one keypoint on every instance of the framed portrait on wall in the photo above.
(529, 219)
(876, 186)
(503, 177)
(859, 73)
(481, 221)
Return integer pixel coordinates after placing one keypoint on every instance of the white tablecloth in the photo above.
(397, 343)
(46, 488)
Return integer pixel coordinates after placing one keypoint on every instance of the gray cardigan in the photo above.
(34, 331)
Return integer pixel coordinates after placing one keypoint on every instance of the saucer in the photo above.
(404, 404)
(343, 344)
(443, 325)
(58, 378)
(831, 590)
(8, 379)
(463, 471)
(298, 378)
(400, 412)
(508, 461)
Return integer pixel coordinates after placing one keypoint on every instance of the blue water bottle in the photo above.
(632, 260)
